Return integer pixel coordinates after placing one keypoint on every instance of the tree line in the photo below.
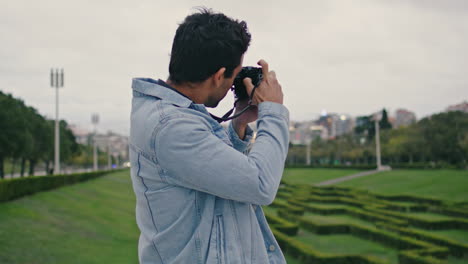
(440, 140)
(28, 137)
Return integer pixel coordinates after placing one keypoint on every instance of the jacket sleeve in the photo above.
(237, 143)
(191, 156)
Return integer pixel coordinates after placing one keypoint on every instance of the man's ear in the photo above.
(218, 76)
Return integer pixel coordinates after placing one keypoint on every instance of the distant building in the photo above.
(344, 125)
(404, 117)
(327, 126)
(392, 121)
(298, 133)
(301, 133)
(82, 135)
(458, 107)
(116, 144)
(336, 124)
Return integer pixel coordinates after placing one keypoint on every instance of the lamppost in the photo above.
(109, 161)
(57, 81)
(95, 121)
(309, 142)
(377, 142)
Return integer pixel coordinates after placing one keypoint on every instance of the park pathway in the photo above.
(347, 178)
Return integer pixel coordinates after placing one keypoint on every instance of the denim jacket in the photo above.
(197, 189)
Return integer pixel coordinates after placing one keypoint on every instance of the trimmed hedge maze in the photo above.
(336, 225)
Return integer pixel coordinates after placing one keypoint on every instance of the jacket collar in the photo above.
(162, 90)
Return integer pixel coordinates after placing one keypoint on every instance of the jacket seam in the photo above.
(140, 151)
(197, 234)
(236, 227)
(146, 197)
(153, 142)
(253, 235)
(149, 208)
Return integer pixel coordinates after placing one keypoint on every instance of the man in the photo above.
(197, 189)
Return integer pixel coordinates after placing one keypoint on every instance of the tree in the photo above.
(384, 123)
(444, 132)
(42, 142)
(15, 138)
(28, 136)
(365, 126)
(464, 146)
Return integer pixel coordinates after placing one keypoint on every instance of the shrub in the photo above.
(15, 188)
(282, 225)
(307, 254)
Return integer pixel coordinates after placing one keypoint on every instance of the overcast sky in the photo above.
(352, 56)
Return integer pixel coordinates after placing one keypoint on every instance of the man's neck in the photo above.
(196, 92)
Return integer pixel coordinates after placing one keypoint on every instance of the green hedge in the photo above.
(360, 200)
(15, 188)
(306, 254)
(410, 198)
(323, 210)
(400, 198)
(412, 257)
(324, 229)
(347, 201)
(279, 203)
(457, 212)
(354, 167)
(356, 212)
(456, 248)
(289, 215)
(283, 195)
(427, 166)
(392, 240)
(455, 223)
(392, 224)
(282, 225)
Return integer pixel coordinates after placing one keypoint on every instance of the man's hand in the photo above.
(240, 123)
(269, 89)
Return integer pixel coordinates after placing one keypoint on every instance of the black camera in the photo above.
(254, 73)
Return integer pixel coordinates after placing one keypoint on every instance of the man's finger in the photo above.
(248, 85)
(264, 65)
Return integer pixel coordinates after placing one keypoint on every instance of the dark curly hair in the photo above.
(204, 43)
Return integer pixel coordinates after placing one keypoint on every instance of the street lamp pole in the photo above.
(109, 162)
(377, 144)
(95, 121)
(57, 81)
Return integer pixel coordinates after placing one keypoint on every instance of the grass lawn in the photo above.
(312, 176)
(347, 244)
(450, 185)
(91, 222)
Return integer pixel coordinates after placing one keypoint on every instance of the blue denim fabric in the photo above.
(197, 185)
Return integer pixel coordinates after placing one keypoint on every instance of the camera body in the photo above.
(254, 73)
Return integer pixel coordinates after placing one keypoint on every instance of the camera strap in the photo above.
(227, 117)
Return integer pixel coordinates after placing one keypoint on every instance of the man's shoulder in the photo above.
(160, 112)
